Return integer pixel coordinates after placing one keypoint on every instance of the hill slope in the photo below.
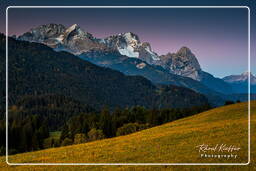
(171, 142)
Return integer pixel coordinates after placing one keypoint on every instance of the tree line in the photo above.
(106, 124)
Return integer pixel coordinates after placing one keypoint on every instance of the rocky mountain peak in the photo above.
(50, 27)
(185, 55)
(129, 44)
(184, 51)
(72, 39)
(43, 32)
(76, 31)
(72, 28)
(131, 36)
(183, 63)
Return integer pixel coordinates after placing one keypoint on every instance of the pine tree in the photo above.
(64, 133)
(105, 122)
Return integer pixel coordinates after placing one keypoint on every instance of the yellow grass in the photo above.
(174, 142)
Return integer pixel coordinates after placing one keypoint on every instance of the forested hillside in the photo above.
(35, 69)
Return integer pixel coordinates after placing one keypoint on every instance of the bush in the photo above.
(48, 143)
(66, 141)
(130, 128)
(95, 134)
(79, 138)
(229, 102)
(51, 142)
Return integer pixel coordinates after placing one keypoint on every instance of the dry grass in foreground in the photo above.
(174, 142)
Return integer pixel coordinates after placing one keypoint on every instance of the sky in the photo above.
(218, 37)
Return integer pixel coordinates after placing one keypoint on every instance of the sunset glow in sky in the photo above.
(218, 37)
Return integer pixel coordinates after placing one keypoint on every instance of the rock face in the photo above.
(182, 63)
(44, 33)
(129, 44)
(57, 36)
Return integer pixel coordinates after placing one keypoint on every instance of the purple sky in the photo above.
(218, 37)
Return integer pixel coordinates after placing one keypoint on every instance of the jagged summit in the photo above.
(72, 28)
(184, 51)
(43, 32)
(72, 39)
(131, 35)
(50, 26)
(76, 28)
(129, 44)
(183, 63)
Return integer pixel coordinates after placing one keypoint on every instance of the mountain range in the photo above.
(36, 69)
(126, 53)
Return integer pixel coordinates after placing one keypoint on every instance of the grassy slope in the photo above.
(171, 142)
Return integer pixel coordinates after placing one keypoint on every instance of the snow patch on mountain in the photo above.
(128, 51)
(141, 65)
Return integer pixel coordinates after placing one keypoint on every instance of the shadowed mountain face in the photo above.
(157, 74)
(113, 50)
(35, 69)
